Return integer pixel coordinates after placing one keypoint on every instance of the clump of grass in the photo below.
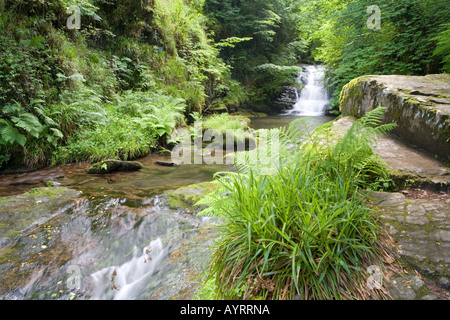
(302, 231)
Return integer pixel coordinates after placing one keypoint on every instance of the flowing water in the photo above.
(313, 98)
(113, 237)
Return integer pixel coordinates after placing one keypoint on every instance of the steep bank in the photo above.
(113, 87)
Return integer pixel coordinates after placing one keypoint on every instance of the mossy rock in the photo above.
(221, 108)
(249, 114)
(20, 212)
(419, 105)
(165, 152)
(108, 166)
(185, 198)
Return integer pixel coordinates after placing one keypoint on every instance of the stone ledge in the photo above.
(422, 230)
(419, 105)
(409, 166)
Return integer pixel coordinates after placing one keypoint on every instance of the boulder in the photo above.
(167, 164)
(420, 105)
(108, 166)
(285, 100)
(185, 198)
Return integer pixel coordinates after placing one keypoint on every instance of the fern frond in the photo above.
(10, 135)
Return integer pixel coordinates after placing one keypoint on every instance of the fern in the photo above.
(10, 135)
(34, 132)
(443, 47)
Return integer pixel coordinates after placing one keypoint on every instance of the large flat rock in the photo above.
(407, 164)
(419, 105)
(421, 227)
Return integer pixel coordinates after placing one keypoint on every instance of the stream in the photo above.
(109, 237)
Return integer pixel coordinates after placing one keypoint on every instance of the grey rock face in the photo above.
(419, 105)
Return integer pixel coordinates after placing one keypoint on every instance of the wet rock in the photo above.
(419, 105)
(185, 198)
(419, 227)
(401, 290)
(429, 297)
(406, 287)
(445, 283)
(416, 283)
(20, 212)
(167, 164)
(285, 100)
(108, 166)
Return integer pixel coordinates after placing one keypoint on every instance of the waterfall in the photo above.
(313, 99)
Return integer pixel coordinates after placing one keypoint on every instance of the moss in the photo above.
(423, 291)
(108, 166)
(13, 233)
(354, 91)
(46, 192)
(412, 101)
(165, 152)
(185, 198)
(4, 201)
(49, 183)
(7, 254)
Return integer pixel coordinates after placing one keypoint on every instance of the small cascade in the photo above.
(313, 99)
(130, 278)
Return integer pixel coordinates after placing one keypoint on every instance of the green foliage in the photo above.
(270, 79)
(20, 127)
(297, 225)
(25, 68)
(161, 115)
(404, 44)
(127, 129)
(115, 88)
(443, 47)
(224, 121)
(270, 30)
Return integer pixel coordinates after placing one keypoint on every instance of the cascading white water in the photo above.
(313, 100)
(130, 277)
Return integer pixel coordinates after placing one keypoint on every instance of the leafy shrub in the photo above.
(25, 69)
(271, 79)
(19, 126)
(127, 129)
(120, 138)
